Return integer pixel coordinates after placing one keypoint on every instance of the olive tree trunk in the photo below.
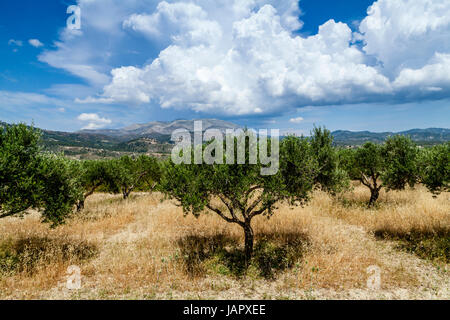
(374, 194)
(80, 205)
(249, 239)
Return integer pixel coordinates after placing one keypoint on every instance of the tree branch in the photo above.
(229, 206)
(365, 181)
(224, 217)
(264, 208)
(254, 204)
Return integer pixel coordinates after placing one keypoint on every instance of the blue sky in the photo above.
(260, 63)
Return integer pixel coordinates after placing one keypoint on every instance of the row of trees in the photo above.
(396, 164)
(123, 175)
(238, 193)
(55, 186)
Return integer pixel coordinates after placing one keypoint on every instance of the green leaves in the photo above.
(400, 158)
(19, 163)
(242, 189)
(331, 177)
(60, 188)
(392, 165)
(299, 169)
(434, 168)
(31, 180)
(127, 174)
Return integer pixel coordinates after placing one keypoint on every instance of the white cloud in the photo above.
(94, 121)
(432, 75)
(263, 69)
(296, 120)
(406, 33)
(183, 22)
(410, 40)
(35, 43)
(240, 57)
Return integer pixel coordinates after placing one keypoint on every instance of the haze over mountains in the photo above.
(156, 128)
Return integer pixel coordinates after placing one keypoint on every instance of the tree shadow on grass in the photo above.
(26, 254)
(386, 199)
(430, 245)
(224, 255)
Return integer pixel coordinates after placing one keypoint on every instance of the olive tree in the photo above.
(392, 165)
(60, 189)
(30, 179)
(128, 174)
(239, 192)
(19, 163)
(434, 167)
(400, 154)
(331, 177)
(92, 174)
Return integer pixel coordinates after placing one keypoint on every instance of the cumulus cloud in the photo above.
(94, 121)
(241, 57)
(185, 23)
(35, 43)
(263, 68)
(406, 33)
(410, 40)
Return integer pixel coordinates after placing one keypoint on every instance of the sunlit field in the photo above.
(144, 248)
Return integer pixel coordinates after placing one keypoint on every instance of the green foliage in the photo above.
(400, 157)
(242, 190)
(31, 180)
(128, 174)
(60, 189)
(434, 168)
(392, 165)
(368, 161)
(91, 175)
(19, 163)
(237, 184)
(331, 177)
(299, 168)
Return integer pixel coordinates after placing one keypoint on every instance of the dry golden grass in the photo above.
(396, 211)
(145, 248)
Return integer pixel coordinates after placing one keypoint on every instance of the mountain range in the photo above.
(155, 138)
(160, 128)
(420, 136)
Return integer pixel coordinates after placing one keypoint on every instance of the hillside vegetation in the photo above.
(154, 139)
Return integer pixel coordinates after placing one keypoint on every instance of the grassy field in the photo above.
(143, 248)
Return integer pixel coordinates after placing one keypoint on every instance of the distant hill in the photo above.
(154, 138)
(420, 136)
(160, 129)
